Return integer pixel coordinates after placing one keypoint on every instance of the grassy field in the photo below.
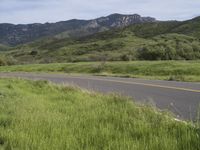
(164, 70)
(41, 116)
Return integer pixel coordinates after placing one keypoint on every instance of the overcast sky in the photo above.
(32, 11)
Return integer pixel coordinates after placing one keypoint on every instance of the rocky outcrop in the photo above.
(118, 20)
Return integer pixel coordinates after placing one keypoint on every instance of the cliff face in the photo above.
(19, 34)
(118, 20)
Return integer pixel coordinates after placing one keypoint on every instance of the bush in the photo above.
(177, 78)
(152, 53)
(170, 51)
(33, 53)
(97, 68)
(4, 61)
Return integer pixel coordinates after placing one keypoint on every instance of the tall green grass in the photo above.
(36, 115)
(167, 70)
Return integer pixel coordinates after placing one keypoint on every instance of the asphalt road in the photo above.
(182, 98)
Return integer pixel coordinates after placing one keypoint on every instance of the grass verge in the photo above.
(38, 115)
(162, 70)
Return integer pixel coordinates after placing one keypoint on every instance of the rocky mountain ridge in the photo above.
(13, 35)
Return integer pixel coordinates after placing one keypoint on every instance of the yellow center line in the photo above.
(144, 84)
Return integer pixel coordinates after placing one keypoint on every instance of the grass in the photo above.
(36, 115)
(163, 70)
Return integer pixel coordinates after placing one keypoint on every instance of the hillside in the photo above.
(147, 41)
(190, 27)
(21, 34)
(3, 47)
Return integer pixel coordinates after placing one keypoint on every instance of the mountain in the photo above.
(13, 35)
(159, 40)
(141, 40)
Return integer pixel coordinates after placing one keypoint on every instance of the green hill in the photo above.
(190, 27)
(169, 40)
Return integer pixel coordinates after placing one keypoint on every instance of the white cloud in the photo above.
(29, 11)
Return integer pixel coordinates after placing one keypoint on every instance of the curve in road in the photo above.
(182, 98)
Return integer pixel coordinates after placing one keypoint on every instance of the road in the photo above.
(182, 98)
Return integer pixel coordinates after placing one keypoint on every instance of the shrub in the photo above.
(2, 62)
(33, 53)
(170, 51)
(7, 61)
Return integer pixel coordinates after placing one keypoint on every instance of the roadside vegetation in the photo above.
(39, 115)
(163, 70)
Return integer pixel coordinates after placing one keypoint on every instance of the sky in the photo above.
(41, 11)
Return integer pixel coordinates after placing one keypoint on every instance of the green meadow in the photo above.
(162, 70)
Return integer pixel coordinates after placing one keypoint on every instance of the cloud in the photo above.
(29, 11)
